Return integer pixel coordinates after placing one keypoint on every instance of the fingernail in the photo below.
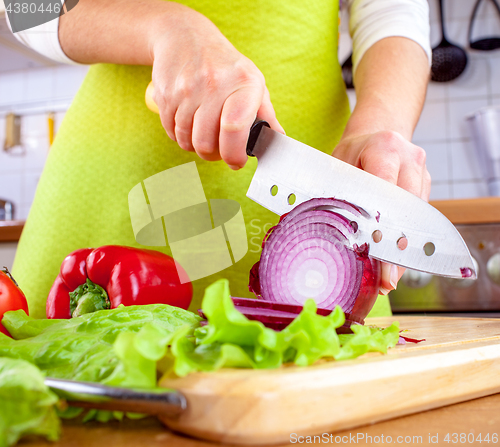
(383, 291)
(234, 167)
(394, 277)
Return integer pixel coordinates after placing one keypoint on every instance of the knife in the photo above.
(392, 216)
(94, 395)
(410, 232)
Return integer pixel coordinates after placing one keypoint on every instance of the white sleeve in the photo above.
(44, 39)
(373, 20)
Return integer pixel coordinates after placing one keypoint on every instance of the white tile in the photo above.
(30, 183)
(437, 91)
(436, 35)
(495, 74)
(345, 47)
(469, 190)
(440, 191)
(458, 110)
(495, 100)
(10, 163)
(39, 84)
(473, 82)
(37, 149)
(432, 124)
(7, 254)
(434, 16)
(437, 161)
(58, 118)
(351, 94)
(457, 32)
(11, 88)
(10, 187)
(460, 9)
(33, 126)
(67, 81)
(464, 162)
(22, 212)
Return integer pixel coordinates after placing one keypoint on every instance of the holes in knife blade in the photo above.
(402, 243)
(429, 249)
(377, 236)
(274, 190)
(291, 199)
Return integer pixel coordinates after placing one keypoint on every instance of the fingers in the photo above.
(391, 274)
(238, 114)
(391, 157)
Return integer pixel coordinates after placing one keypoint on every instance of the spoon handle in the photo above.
(441, 15)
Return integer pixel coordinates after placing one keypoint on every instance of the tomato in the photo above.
(11, 297)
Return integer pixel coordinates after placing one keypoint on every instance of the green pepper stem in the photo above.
(88, 298)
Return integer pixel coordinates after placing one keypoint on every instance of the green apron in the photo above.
(109, 141)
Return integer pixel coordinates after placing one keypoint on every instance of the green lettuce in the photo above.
(231, 340)
(26, 403)
(117, 347)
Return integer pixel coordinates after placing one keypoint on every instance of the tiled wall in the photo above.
(27, 91)
(442, 130)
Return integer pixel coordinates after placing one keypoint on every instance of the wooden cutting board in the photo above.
(460, 360)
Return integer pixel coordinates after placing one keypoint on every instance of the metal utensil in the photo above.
(448, 60)
(94, 395)
(299, 173)
(484, 126)
(488, 43)
(347, 75)
(7, 210)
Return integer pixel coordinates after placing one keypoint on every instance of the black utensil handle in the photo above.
(473, 17)
(254, 135)
(441, 14)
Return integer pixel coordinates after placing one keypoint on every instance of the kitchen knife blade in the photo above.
(301, 172)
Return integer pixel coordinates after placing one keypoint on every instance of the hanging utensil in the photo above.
(448, 60)
(347, 72)
(488, 43)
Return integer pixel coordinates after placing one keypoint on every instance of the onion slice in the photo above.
(276, 315)
(308, 255)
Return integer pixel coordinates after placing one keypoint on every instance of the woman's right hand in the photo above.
(207, 92)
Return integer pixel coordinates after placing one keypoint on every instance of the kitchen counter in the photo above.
(478, 416)
(10, 230)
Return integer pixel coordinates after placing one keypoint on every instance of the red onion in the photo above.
(308, 255)
(276, 315)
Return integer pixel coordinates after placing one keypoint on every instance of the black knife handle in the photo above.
(254, 134)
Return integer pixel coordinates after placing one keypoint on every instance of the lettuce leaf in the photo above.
(27, 405)
(118, 347)
(100, 346)
(231, 340)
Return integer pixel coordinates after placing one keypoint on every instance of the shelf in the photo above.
(10, 230)
(470, 211)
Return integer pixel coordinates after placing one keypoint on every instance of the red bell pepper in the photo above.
(11, 296)
(105, 277)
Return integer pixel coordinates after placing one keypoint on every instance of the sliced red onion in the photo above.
(276, 315)
(307, 255)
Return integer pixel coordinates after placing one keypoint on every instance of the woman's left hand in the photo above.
(388, 155)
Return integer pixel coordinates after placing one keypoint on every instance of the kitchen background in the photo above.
(32, 87)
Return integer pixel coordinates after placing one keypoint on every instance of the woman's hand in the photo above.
(390, 80)
(390, 156)
(207, 92)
